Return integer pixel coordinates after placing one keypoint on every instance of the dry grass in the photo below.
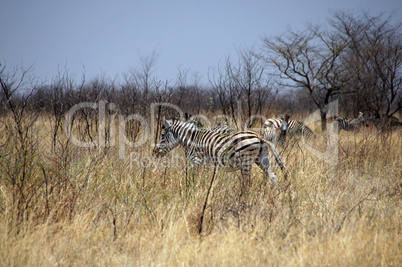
(105, 210)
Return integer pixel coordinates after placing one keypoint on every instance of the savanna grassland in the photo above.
(65, 205)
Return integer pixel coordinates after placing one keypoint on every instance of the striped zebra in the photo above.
(294, 128)
(275, 130)
(238, 150)
(349, 124)
(300, 129)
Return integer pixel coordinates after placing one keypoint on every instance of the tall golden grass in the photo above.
(92, 207)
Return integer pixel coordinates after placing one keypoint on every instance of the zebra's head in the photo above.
(361, 119)
(168, 140)
(283, 129)
(284, 123)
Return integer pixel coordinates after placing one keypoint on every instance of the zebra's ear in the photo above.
(165, 123)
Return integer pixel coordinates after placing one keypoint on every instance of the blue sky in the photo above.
(108, 37)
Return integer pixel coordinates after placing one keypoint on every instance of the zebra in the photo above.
(275, 130)
(299, 128)
(294, 128)
(349, 124)
(238, 150)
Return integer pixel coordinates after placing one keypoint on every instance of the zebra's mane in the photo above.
(220, 127)
(189, 125)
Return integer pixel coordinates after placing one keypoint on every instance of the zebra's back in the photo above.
(299, 128)
(228, 150)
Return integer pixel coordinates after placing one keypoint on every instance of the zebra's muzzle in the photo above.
(158, 152)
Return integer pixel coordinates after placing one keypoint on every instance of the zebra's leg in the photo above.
(263, 163)
(194, 161)
(246, 179)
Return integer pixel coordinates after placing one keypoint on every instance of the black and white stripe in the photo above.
(348, 124)
(238, 150)
(271, 126)
(300, 129)
(275, 130)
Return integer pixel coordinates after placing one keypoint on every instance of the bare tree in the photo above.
(197, 92)
(181, 84)
(225, 90)
(374, 54)
(144, 79)
(311, 59)
(61, 86)
(243, 89)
